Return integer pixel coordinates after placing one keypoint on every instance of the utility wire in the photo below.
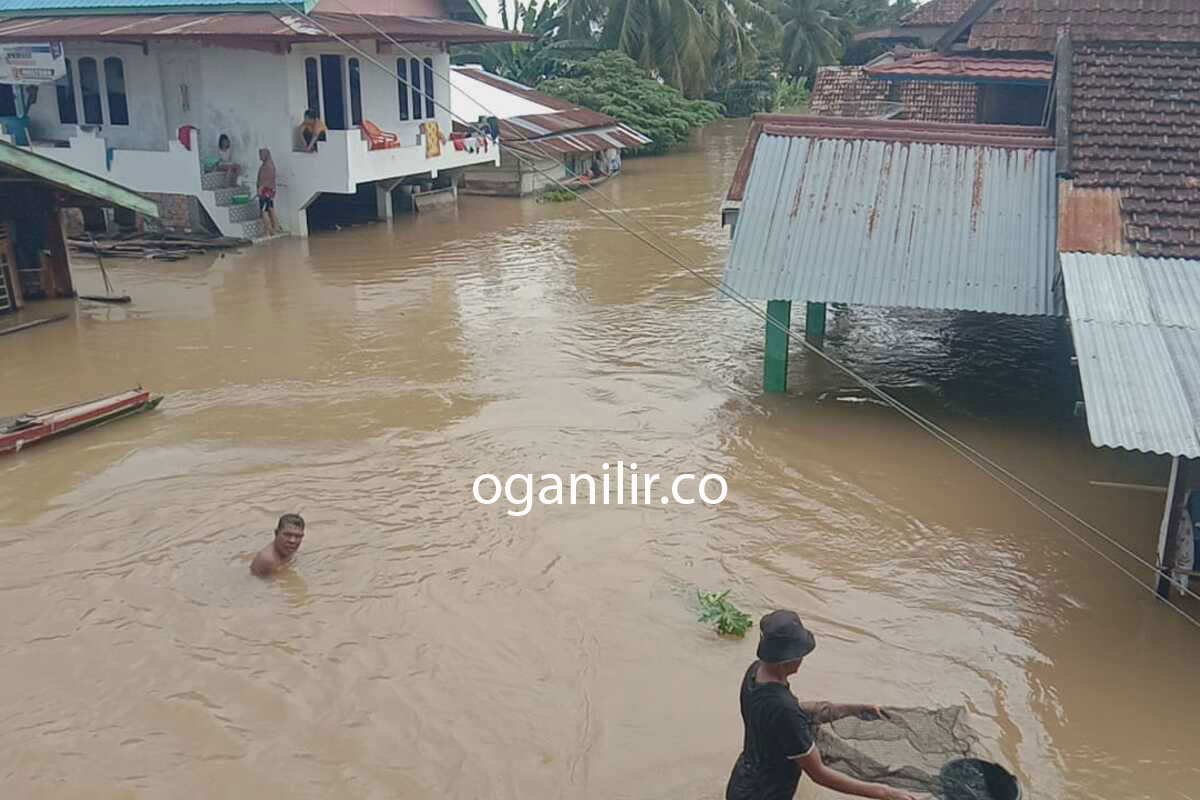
(989, 467)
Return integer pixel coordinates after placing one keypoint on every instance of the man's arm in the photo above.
(822, 775)
(262, 565)
(822, 711)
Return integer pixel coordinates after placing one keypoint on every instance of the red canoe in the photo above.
(26, 429)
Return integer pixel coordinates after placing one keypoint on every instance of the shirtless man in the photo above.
(279, 553)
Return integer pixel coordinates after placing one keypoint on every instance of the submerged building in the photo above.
(547, 140)
(143, 92)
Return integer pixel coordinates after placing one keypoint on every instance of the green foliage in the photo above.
(529, 62)
(745, 97)
(556, 196)
(790, 94)
(725, 616)
(612, 83)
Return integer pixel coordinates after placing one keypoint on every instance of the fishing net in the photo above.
(919, 750)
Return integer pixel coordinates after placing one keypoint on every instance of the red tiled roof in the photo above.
(848, 92)
(966, 68)
(238, 27)
(930, 101)
(1135, 127)
(937, 12)
(1017, 26)
(851, 92)
(970, 135)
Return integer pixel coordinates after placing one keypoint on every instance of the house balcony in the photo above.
(347, 159)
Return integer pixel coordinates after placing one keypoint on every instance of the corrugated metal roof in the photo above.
(234, 26)
(52, 6)
(898, 223)
(590, 141)
(1136, 326)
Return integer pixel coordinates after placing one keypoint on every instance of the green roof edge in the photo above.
(76, 180)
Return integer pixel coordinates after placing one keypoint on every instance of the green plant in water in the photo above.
(728, 619)
(556, 196)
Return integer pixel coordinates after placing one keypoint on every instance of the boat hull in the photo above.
(39, 426)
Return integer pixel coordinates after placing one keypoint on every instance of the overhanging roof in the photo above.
(587, 141)
(882, 214)
(971, 69)
(21, 164)
(1136, 326)
(277, 27)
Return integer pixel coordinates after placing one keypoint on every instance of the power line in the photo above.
(989, 467)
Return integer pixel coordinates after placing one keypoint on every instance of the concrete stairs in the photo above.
(217, 193)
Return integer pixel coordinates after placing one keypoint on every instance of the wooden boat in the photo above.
(36, 426)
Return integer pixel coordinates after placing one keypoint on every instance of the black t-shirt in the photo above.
(776, 731)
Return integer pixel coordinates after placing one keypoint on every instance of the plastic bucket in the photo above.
(975, 779)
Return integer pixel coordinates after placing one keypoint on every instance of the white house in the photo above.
(150, 88)
(547, 140)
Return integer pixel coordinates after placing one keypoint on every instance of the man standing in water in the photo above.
(778, 744)
(279, 553)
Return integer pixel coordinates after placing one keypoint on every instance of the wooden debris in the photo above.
(160, 247)
(34, 323)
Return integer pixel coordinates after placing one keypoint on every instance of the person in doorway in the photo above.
(266, 192)
(312, 130)
(225, 162)
(280, 552)
(778, 746)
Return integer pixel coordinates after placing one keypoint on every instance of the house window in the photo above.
(312, 85)
(8, 101)
(333, 90)
(402, 72)
(65, 88)
(114, 84)
(414, 75)
(429, 88)
(355, 93)
(89, 87)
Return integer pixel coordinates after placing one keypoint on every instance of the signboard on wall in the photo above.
(35, 63)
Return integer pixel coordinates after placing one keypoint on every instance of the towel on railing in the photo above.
(433, 139)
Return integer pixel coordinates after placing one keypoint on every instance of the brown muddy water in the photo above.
(428, 646)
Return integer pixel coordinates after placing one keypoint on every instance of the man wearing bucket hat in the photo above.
(778, 744)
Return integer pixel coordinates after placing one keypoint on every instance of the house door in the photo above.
(182, 94)
(334, 95)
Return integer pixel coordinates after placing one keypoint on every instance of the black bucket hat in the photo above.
(783, 638)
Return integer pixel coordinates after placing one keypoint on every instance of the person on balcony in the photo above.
(312, 130)
(266, 192)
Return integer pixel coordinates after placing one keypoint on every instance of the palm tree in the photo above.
(528, 62)
(812, 35)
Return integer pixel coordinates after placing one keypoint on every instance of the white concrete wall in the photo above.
(143, 91)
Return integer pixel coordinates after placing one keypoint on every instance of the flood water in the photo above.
(425, 645)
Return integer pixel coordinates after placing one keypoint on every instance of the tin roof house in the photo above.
(547, 140)
(143, 91)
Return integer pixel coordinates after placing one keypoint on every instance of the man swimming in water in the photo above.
(280, 552)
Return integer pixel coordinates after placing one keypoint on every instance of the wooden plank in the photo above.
(1062, 104)
(33, 324)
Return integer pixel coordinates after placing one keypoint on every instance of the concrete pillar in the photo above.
(383, 200)
(775, 354)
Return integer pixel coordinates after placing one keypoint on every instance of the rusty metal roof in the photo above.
(531, 126)
(1016, 26)
(1018, 136)
(589, 141)
(972, 69)
(1136, 327)
(512, 87)
(277, 27)
(894, 218)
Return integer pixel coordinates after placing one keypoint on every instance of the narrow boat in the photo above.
(26, 429)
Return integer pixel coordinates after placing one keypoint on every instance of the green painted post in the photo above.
(814, 322)
(775, 356)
